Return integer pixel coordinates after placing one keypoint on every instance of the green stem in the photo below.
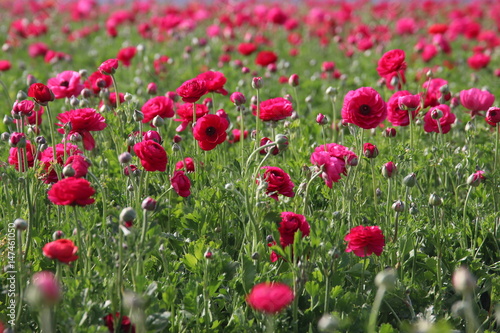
(372, 323)
(464, 218)
(51, 124)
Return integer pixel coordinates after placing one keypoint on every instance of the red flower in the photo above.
(333, 167)
(396, 115)
(97, 81)
(30, 159)
(159, 64)
(478, 61)
(275, 109)
(476, 100)
(210, 131)
(185, 113)
(65, 84)
(236, 135)
(41, 93)
(264, 141)
(278, 182)
(191, 90)
(214, 81)
(82, 121)
(364, 107)
(447, 118)
(493, 116)
(290, 224)
(125, 326)
(62, 249)
(181, 183)
(126, 54)
(370, 150)
(157, 106)
(270, 298)
(364, 241)
(71, 191)
(433, 93)
(392, 64)
(265, 58)
(186, 164)
(246, 48)
(80, 164)
(108, 67)
(4, 65)
(153, 156)
(389, 169)
(49, 174)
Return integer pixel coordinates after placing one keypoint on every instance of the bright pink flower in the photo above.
(364, 241)
(181, 183)
(332, 167)
(339, 151)
(192, 90)
(406, 26)
(108, 67)
(431, 124)
(214, 81)
(264, 141)
(396, 115)
(65, 84)
(478, 61)
(270, 298)
(158, 106)
(126, 55)
(152, 135)
(23, 108)
(38, 49)
(48, 286)
(82, 121)
(72, 191)
(210, 131)
(97, 81)
(476, 178)
(275, 109)
(187, 164)
(246, 48)
(476, 100)
(493, 116)
(236, 135)
(152, 155)
(278, 182)
(328, 66)
(364, 107)
(185, 114)
(392, 64)
(30, 157)
(62, 249)
(80, 164)
(5, 65)
(433, 92)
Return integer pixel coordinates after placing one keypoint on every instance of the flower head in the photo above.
(65, 84)
(72, 191)
(62, 249)
(278, 182)
(82, 121)
(191, 90)
(181, 183)
(364, 107)
(153, 156)
(210, 131)
(270, 298)
(275, 109)
(364, 241)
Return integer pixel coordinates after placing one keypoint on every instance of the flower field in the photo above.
(324, 166)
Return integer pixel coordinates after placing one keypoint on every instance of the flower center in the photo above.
(64, 84)
(493, 113)
(364, 109)
(210, 131)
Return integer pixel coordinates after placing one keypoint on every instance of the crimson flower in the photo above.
(364, 107)
(191, 90)
(270, 298)
(214, 81)
(289, 225)
(181, 183)
(364, 241)
(395, 114)
(126, 55)
(30, 157)
(97, 81)
(265, 58)
(157, 106)
(493, 116)
(71, 191)
(476, 100)
(108, 67)
(82, 121)
(432, 117)
(186, 164)
(185, 114)
(210, 131)
(153, 156)
(125, 326)
(41, 93)
(275, 109)
(278, 182)
(62, 249)
(392, 64)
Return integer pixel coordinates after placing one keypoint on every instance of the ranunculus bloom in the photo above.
(493, 116)
(82, 121)
(181, 184)
(112, 99)
(278, 182)
(476, 178)
(237, 98)
(392, 64)
(108, 67)
(448, 118)
(30, 159)
(186, 164)
(65, 84)
(389, 169)
(265, 58)
(158, 106)
(339, 151)
(47, 286)
(97, 81)
(185, 114)
(247, 48)
(79, 163)
(4, 65)
(364, 241)
(72, 191)
(270, 298)
(289, 225)
(433, 93)
(125, 326)
(210, 131)
(275, 109)
(41, 93)
(152, 155)
(126, 55)
(152, 135)
(62, 249)
(236, 135)
(49, 174)
(332, 167)
(478, 61)
(476, 100)
(214, 81)
(364, 107)
(410, 102)
(23, 108)
(264, 141)
(37, 49)
(192, 90)
(396, 115)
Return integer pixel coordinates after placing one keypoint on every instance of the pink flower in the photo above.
(97, 81)
(433, 92)
(126, 55)
(370, 150)
(339, 151)
(392, 64)
(65, 84)
(364, 241)
(478, 61)
(20, 164)
(185, 114)
(270, 298)
(210, 131)
(275, 109)
(396, 115)
(214, 81)
(446, 120)
(476, 100)
(364, 107)
(181, 183)
(332, 167)
(152, 155)
(82, 121)
(493, 116)
(158, 106)
(187, 164)
(289, 225)
(109, 67)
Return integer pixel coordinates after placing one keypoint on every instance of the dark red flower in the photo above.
(214, 81)
(210, 131)
(71, 191)
(364, 241)
(158, 106)
(15, 152)
(62, 249)
(364, 107)
(153, 156)
(264, 141)
(370, 150)
(185, 113)
(192, 90)
(125, 326)
(270, 298)
(278, 182)
(289, 225)
(82, 121)
(181, 183)
(264, 58)
(41, 93)
(186, 164)
(493, 116)
(396, 115)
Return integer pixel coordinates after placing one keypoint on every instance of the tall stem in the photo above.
(372, 323)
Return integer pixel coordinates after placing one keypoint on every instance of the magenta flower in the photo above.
(476, 100)
(65, 84)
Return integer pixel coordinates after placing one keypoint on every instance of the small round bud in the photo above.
(138, 115)
(125, 158)
(293, 80)
(389, 132)
(328, 324)
(321, 119)
(68, 171)
(30, 79)
(229, 187)
(436, 114)
(463, 281)
(148, 204)
(331, 91)
(470, 126)
(158, 121)
(308, 99)
(74, 102)
(255, 256)
(370, 150)
(208, 255)
(398, 206)
(86, 93)
(57, 235)
(282, 142)
(413, 210)
(269, 238)
(176, 147)
(435, 200)
(128, 97)
(257, 83)
(389, 169)
(20, 224)
(75, 137)
(127, 214)
(386, 279)
(476, 178)
(410, 180)
(5, 136)
(21, 95)
(7, 120)
(177, 138)
(152, 88)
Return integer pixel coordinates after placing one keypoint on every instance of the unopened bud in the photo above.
(127, 214)
(463, 281)
(20, 224)
(321, 119)
(74, 102)
(410, 180)
(21, 95)
(436, 114)
(57, 235)
(125, 158)
(386, 279)
(149, 204)
(68, 171)
(398, 206)
(328, 324)
(128, 97)
(282, 142)
(331, 91)
(138, 115)
(158, 121)
(435, 200)
(293, 80)
(257, 83)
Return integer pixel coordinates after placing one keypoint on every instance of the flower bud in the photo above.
(128, 97)
(389, 169)
(398, 206)
(435, 200)
(237, 98)
(152, 88)
(86, 93)
(74, 102)
(21, 95)
(288, 97)
(257, 83)
(293, 80)
(75, 137)
(470, 126)
(208, 255)
(148, 204)
(158, 121)
(68, 171)
(476, 178)
(328, 324)
(20, 224)
(386, 279)
(5, 136)
(463, 281)
(282, 142)
(127, 215)
(410, 180)
(125, 158)
(255, 256)
(436, 114)
(308, 99)
(177, 138)
(44, 290)
(389, 132)
(57, 235)
(321, 119)
(370, 150)
(269, 239)
(7, 120)
(413, 210)
(138, 115)
(30, 79)
(17, 140)
(331, 91)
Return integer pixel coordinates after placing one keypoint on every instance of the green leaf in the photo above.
(190, 261)
(386, 328)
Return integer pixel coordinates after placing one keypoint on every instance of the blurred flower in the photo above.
(476, 100)
(389, 169)
(289, 225)
(44, 290)
(275, 109)
(65, 84)
(187, 164)
(264, 58)
(41, 93)
(392, 64)
(214, 81)
(108, 67)
(397, 115)
(493, 116)
(364, 241)
(478, 61)
(125, 325)
(270, 298)
(71, 191)
(126, 55)
(61, 249)
(181, 183)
